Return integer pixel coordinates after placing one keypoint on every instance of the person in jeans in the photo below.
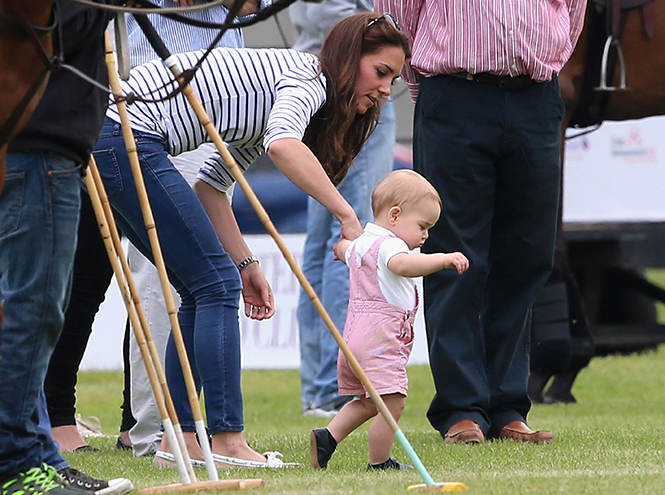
(329, 279)
(39, 215)
(141, 421)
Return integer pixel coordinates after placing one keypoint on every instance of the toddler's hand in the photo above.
(457, 261)
(339, 249)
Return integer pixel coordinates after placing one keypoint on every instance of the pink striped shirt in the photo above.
(505, 37)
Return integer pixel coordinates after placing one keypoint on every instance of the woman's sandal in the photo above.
(273, 461)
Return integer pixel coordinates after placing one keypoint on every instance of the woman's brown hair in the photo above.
(337, 133)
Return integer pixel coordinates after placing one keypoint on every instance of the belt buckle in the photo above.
(512, 83)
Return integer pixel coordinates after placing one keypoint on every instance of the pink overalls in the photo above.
(379, 334)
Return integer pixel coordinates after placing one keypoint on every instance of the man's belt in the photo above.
(503, 82)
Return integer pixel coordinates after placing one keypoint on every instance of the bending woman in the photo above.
(311, 115)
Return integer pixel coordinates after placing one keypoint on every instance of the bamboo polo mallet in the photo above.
(136, 315)
(147, 346)
(161, 268)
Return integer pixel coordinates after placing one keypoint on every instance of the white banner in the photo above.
(617, 173)
(267, 344)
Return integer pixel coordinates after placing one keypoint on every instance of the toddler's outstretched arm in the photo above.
(421, 264)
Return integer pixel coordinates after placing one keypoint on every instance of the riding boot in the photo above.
(560, 390)
(536, 385)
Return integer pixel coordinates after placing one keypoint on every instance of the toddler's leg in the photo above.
(351, 416)
(323, 441)
(381, 436)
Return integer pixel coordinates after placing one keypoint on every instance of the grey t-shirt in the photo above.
(312, 21)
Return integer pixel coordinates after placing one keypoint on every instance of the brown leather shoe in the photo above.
(517, 430)
(465, 431)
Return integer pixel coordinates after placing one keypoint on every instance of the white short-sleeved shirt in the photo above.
(253, 97)
(398, 290)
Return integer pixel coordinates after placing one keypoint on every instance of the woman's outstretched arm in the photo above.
(296, 161)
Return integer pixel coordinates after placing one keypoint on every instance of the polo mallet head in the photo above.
(454, 487)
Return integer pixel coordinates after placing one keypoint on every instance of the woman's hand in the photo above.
(259, 303)
(351, 228)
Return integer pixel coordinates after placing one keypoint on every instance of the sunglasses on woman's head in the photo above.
(387, 17)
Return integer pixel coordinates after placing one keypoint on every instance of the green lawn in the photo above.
(611, 442)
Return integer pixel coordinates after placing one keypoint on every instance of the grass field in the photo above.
(611, 442)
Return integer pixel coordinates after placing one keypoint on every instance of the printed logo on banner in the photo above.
(630, 147)
(577, 149)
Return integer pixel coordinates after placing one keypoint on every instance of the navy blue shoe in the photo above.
(389, 464)
(321, 447)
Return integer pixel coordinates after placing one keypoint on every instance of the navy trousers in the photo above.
(494, 156)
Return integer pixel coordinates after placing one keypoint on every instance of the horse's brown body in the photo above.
(21, 65)
(645, 68)
(645, 76)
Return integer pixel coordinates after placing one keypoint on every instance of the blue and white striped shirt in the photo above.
(253, 97)
(179, 37)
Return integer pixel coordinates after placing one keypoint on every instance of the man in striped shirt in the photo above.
(487, 135)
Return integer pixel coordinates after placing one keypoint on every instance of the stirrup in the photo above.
(609, 43)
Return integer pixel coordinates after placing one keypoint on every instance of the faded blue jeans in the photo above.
(201, 271)
(330, 279)
(39, 214)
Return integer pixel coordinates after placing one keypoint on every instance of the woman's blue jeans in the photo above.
(198, 267)
(39, 214)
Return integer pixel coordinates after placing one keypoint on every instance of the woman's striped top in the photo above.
(253, 97)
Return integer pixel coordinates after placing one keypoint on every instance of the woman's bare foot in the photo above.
(124, 442)
(233, 444)
(124, 436)
(68, 437)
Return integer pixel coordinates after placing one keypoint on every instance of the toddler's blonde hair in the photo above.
(401, 188)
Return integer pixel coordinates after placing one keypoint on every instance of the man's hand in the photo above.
(249, 7)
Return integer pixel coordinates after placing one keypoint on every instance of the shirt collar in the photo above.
(375, 229)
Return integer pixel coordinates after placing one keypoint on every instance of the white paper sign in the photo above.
(617, 173)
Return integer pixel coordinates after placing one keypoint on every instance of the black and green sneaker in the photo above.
(94, 486)
(40, 480)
